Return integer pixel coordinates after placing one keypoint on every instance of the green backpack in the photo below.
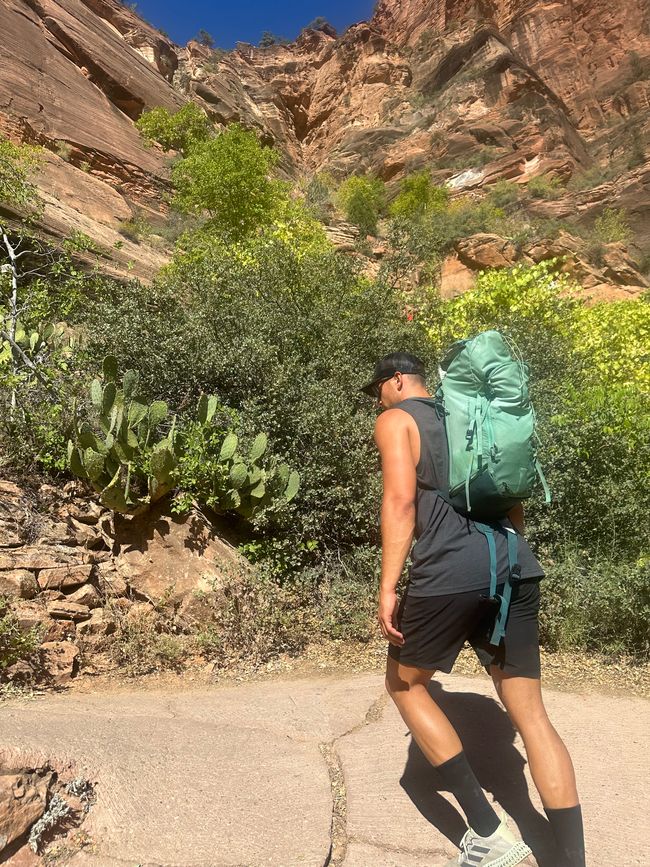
(490, 426)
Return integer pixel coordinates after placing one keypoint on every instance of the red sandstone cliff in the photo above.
(480, 90)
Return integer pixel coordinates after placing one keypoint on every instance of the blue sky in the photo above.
(246, 21)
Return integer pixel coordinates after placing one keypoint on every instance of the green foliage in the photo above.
(135, 229)
(287, 337)
(181, 131)
(590, 178)
(15, 642)
(362, 201)
(228, 177)
(544, 187)
(504, 193)
(269, 39)
(124, 457)
(417, 195)
(596, 602)
(213, 469)
(422, 242)
(318, 196)
(319, 23)
(205, 38)
(17, 164)
(612, 225)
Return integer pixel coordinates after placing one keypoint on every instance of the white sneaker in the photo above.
(500, 849)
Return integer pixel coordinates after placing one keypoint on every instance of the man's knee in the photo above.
(403, 679)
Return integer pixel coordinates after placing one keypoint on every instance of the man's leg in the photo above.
(437, 738)
(548, 758)
(433, 732)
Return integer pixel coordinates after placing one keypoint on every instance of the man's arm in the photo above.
(397, 512)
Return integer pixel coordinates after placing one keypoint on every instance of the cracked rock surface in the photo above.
(316, 771)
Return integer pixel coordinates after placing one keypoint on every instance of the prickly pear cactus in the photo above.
(227, 479)
(130, 463)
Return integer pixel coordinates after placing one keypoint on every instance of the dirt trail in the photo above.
(318, 771)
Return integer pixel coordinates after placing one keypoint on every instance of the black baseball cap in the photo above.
(396, 362)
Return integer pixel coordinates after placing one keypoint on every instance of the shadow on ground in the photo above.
(488, 739)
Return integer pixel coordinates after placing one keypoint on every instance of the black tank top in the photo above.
(450, 554)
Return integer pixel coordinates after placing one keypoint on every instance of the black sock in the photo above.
(569, 835)
(459, 779)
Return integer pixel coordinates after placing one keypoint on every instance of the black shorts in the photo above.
(435, 628)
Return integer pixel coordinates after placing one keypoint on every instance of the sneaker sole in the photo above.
(511, 858)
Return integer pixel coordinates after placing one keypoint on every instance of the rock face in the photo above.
(480, 91)
(60, 582)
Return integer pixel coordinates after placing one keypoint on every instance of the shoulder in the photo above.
(391, 423)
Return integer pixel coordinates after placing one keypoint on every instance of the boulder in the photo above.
(30, 614)
(85, 595)
(23, 799)
(486, 251)
(37, 557)
(64, 577)
(18, 582)
(59, 660)
(165, 557)
(68, 610)
(59, 630)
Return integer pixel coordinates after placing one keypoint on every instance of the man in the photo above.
(445, 604)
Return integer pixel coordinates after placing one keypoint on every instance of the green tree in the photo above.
(17, 164)
(417, 195)
(362, 200)
(269, 39)
(205, 38)
(180, 131)
(228, 177)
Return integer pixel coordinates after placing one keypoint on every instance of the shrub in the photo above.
(417, 195)
(597, 603)
(362, 200)
(17, 165)
(16, 643)
(504, 193)
(543, 187)
(269, 39)
(205, 38)
(180, 131)
(228, 177)
(288, 337)
(612, 225)
(590, 178)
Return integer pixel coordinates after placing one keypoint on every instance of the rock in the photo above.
(64, 577)
(165, 557)
(35, 557)
(85, 595)
(29, 614)
(486, 251)
(10, 533)
(47, 596)
(59, 660)
(110, 582)
(86, 511)
(18, 582)
(23, 799)
(58, 630)
(55, 533)
(455, 277)
(20, 672)
(100, 623)
(85, 534)
(68, 610)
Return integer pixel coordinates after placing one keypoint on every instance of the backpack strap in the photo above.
(514, 574)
